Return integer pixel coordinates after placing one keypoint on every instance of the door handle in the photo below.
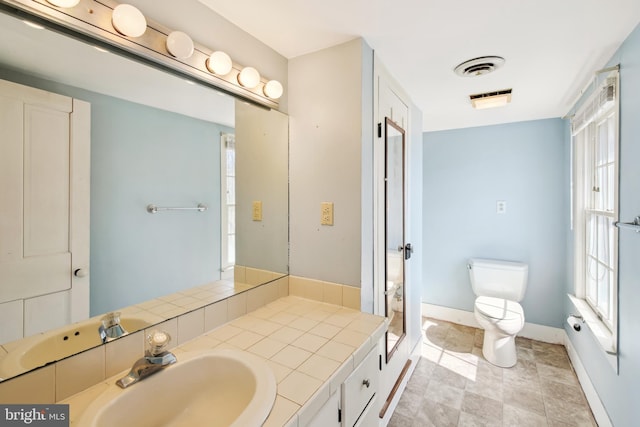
(407, 251)
(81, 272)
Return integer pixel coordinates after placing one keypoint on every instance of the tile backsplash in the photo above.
(332, 293)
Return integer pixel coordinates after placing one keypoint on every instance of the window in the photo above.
(228, 191)
(595, 144)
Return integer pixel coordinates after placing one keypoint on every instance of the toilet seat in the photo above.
(499, 308)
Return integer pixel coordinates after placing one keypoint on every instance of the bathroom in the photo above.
(533, 154)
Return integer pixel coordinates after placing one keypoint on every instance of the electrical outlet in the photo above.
(326, 213)
(257, 210)
(501, 207)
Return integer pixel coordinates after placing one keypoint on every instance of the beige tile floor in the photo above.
(453, 385)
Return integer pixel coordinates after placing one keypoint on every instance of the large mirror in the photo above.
(159, 139)
(396, 250)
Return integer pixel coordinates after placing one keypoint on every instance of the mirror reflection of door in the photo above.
(394, 235)
(44, 210)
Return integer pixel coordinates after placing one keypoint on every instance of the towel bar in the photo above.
(153, 208)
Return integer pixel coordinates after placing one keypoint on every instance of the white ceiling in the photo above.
(551, 47)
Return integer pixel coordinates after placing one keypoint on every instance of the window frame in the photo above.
(584, 143)
(226, 264)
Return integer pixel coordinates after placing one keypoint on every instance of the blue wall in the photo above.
(465, 172)
(142, 155)
(619, 392)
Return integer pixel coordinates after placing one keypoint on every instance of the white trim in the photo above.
(582, 141)
(80, 210)
(224, 209)
(534, 331)
(598, 409)
(601, 333)
(461, 317)
(384, 85)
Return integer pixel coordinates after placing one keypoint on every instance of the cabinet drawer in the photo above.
(359, 388)
(369, 417)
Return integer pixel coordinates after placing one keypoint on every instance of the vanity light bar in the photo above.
(125, 27)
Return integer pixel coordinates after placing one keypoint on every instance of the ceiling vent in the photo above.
(479, 66)
(490, 99)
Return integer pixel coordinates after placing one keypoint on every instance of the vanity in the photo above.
(325, 359)
(325, 354)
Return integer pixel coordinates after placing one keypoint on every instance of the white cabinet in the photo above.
(370, 416)
(359, 391)
(354, 403)
(328, 416)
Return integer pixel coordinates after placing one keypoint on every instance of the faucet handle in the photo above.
(110, 327)
(157, 342)
(111, 319)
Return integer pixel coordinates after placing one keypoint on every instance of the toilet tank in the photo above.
(497, 278)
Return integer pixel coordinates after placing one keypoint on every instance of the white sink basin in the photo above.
(205, 388)
(38, 350)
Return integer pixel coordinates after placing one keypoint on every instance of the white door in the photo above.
(44, 207)
(391, 282)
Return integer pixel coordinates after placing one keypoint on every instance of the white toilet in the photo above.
(499, 286)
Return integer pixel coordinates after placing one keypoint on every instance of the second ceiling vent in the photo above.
(479, 66)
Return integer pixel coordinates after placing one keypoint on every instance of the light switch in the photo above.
(257, 210)
(326, 213)
(501, 207)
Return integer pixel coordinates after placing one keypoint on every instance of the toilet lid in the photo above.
(498, 308)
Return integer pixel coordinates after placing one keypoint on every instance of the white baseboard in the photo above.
(599, 412)
(534, 331)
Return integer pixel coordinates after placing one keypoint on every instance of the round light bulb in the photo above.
(180, 45)
(128, 20)
(219, 63)
(64, 3)
(249, 77)
(273, 89)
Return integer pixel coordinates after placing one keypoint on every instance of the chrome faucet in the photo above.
(156, 358)
(110, 328)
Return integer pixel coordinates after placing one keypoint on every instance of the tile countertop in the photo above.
(311, 347)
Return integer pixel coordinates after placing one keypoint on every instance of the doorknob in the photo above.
(80, 272)
(407, 251)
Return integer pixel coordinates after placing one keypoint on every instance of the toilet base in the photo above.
(499, 349)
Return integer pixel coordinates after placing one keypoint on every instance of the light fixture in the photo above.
(128, 20)
(179, 45)
(64, 3)
(491, 99)
(33, 25)
(219, 63)
(273, 89)
(249, 77)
